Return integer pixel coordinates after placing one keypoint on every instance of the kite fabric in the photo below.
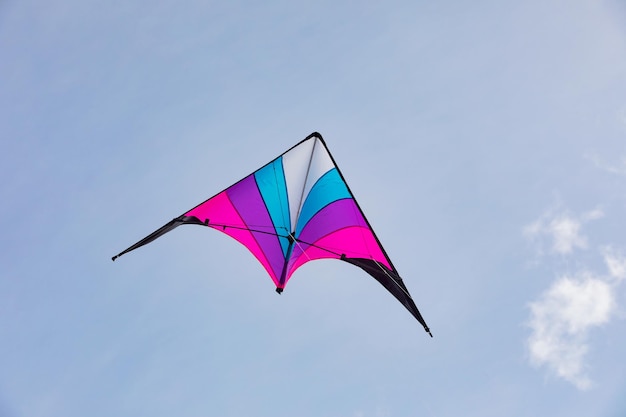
(293, 210)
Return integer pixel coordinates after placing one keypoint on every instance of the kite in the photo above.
(295, 209)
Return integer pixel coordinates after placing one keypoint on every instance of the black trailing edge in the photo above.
(160, 232)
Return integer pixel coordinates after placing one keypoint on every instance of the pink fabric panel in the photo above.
(220, 210)
(354, 242)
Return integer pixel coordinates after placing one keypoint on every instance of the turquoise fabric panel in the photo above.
(271, 182)
(330, 187)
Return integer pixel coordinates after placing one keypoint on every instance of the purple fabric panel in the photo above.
(220, 211)
(246, 198)
(335, 216)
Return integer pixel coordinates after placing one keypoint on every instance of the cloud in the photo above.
(564, 315)
(565, 233)
(560, 322)
(594, 214)
(564, 230)
(617, 169)
(616, 263)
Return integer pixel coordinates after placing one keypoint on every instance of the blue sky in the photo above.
(485, 142)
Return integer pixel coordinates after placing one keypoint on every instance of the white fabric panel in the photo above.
(295, 164)
(320, 165)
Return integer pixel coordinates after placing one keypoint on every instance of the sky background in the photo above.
(485, 142)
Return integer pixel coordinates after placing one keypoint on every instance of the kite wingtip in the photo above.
(315, 135)
(279, 290)
(114, 258)
(428, 331)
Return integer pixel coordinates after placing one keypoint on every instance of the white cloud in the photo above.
(615, 263)
(565, 233)
(564, 230)
(617, 169)
(561, 320)
(594, 214)
(563, 316)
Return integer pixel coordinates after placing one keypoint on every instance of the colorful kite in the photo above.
(296, 209)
